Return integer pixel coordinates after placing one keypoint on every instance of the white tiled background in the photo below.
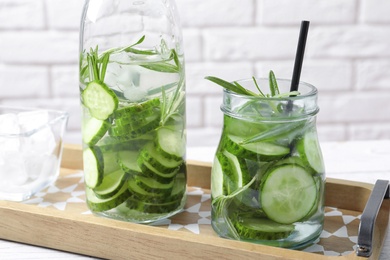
(347, 58)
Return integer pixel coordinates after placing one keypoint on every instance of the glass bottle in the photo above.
(268, 175)
(132, 92)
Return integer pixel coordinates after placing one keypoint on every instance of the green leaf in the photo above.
(235, 87)
(140, 52)
(222, 203)
(257, 86)
(105, 60)
(141, 40)
(273, 84)
(275, 132)
(161, 67)
(176, 58)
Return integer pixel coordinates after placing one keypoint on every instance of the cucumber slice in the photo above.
(228, 186)
(240, 168)
(171, 143)
(309, 150)
(262, 151)
(320, 184)
(132, 133)
(128, 162)
(149, 171)
(111, 184)
(179, 187)
(250, 227)
(216, 179)
(134, 120)
(291, 160)
(150, 155)
(93, 130)
(93, 167)
(128, 111)
(97, 205)
(153, 186)
(110, 162)
(239, 127)
(231, 171)
(143, 195)
(152, 207)
(287, 193)
(100, 100)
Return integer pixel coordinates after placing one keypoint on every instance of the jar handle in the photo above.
(369, 216)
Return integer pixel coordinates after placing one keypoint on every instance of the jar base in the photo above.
(299, 239)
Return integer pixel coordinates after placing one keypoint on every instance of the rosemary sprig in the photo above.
(273, 84)
(237, 88)
(97, 66)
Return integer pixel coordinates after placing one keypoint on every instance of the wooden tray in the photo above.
(59, 218)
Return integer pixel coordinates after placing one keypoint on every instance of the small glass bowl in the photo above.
(31, 143)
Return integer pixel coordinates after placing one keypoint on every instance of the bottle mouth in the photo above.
(283, 107)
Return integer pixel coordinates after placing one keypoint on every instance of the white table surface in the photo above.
(364, 161)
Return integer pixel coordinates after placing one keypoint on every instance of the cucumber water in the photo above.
(268, 175)
(133, 103)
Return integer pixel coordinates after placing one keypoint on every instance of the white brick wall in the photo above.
(347, 58)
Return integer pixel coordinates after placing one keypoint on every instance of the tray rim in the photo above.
(192, 245)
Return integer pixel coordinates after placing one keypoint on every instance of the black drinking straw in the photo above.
(299, 55)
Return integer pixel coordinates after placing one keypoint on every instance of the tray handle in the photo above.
(368, 218)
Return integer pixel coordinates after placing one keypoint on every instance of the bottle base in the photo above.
(123, 213)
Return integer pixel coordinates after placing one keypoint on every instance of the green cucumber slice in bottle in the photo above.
(143, 195)
(98, 205)
(240, 169)
(111, 184)
(309, 150)
(170, 143)
(287, 193)
(229, 184)
(93, 166)
(151, 172)
(232, 171)
(128, 111)
(127, 160)
(157, 160)
(110, 162)
(156, 208)
(154, 186)
(250, 227)
(93, 130)
(216, 179)
(263, 151)
(100, 100)
(129, 132)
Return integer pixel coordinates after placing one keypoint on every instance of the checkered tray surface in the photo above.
(338, 238)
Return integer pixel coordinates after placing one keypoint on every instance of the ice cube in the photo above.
(49, 165)
(134, 94)
(34, 164)
(41, 142)
(9, 124)
(9, 144)
(9, 129)
(31, 120)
